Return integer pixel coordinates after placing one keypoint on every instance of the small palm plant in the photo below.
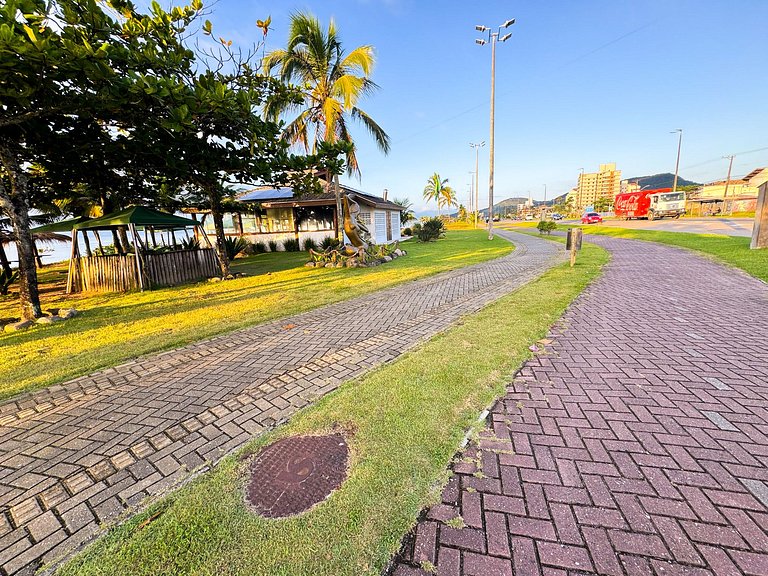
(437, 189)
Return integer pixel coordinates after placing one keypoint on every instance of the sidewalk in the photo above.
(635, 444)
(81, 454)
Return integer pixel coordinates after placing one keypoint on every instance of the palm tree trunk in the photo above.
(339, 215)
(15, 204)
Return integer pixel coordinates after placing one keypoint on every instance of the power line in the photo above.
(563, 65)
(720, 158)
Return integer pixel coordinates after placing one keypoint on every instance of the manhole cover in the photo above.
(293, 474)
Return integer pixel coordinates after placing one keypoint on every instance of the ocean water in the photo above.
(52, 252)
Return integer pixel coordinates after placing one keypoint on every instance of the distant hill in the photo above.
(662, 181)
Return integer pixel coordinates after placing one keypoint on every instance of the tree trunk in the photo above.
(339, 211)
(218, 225)
(116, 242)
(4, 263)
(14, 203)
(38, 260)
(122, 231)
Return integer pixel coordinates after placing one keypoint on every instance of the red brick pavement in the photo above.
(635, 444)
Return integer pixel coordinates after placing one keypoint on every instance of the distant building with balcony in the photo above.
(605, 183)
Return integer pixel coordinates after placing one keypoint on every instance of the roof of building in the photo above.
(283, 197)
(754, 173)
(137, 215)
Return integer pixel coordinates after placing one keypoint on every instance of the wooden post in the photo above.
(70, 279)
(573, 243)
(760, 227)
(136, 253)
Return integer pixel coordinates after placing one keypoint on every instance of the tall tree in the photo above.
(332, 83)
(437, 189)
(67, 64)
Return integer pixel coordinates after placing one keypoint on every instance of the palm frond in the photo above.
(381, 137)
(362, 58)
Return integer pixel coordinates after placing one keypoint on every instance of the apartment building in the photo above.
(605, 183)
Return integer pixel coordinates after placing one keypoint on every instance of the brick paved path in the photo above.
(637, 444)
(78, 455)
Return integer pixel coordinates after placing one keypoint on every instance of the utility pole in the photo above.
(493, 37)
(677, 163)
(727, 182)
(477, 181)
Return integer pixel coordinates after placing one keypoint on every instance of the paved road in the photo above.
(78, 455)
(637, 444)
(725, 226)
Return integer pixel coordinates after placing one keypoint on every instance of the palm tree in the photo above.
(406, 211)
(437, 189)
(332, 82)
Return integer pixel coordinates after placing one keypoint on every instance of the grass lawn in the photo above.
(733, 250)
(405, 422)
(116, 327)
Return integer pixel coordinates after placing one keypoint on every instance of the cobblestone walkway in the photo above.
(78, 455)
(636, 444)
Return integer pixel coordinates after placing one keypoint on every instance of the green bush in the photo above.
(309, 244)
(234, 245)
(272, 245)
(546, 226)
(431, 229)
(407, 232)
(329, 242)
(259, 247)
(291, 245)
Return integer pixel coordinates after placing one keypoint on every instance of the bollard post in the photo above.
(573, 243)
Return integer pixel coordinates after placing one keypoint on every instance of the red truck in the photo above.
(651, 204)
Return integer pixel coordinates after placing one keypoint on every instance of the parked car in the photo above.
(529, 216)
(591, 218)
(557, 216)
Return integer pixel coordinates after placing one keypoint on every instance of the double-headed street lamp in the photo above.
(477, 163)
(493, 37)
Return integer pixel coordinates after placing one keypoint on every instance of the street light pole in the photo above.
(493, 37)
(677, 163)
(477, 181)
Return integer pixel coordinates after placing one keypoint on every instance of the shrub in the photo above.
(309, 244)
(272, 245)
(407, 232)
(431, 229)
(546, 226)
(329, 242)
(259, 247)
(291, 245)
(190, 244)
(234, 246)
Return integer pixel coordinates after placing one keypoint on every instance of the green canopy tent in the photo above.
(148, 269)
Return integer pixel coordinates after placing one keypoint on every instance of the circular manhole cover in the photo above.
(293, 474)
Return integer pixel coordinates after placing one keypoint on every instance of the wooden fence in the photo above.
(178, 267)
(117, 273)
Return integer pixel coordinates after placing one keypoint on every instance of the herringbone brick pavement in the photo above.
(79, 455)
(635, 444)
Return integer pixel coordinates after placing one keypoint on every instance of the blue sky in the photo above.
(581, 82)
